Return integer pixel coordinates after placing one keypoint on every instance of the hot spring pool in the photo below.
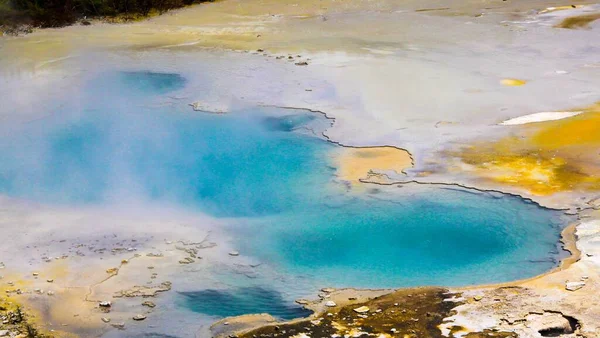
(275, 186)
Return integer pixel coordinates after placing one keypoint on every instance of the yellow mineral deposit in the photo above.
(513, 82)
(559, 8)
(548, 157)
(354, 164)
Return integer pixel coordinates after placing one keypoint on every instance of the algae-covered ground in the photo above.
(405, 313)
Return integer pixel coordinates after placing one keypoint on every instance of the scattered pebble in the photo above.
(105, 303)
(106, 320)
(119, 326)
(186, 260)
(478, 298)
(35, 274)
(234, 253)
(50, 280)
(50, 293)
(154, 254)
(148, 304)
(362, 309)
(139, 317)
(574, 286)
(330, 303)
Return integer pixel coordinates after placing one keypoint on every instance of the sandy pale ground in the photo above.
(430, 81)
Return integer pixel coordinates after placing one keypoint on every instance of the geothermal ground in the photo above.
(498, 98)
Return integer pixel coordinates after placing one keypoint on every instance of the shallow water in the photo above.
(242, 301)
(128, 138)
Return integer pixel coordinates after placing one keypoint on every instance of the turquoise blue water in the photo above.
(125, 138)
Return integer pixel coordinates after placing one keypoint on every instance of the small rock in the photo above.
(119, 326)
(154, 254)
(50, 280)
(330, 303)
(362, 309)
(328, 290)
(105, 303)
(139, 317)
(186, 260)
(234, 253)
(302, 301)
(393, 330)
(50, 293)
(303, 63)
(4, 333)
(35, 274)
(106, 320)
(478, 298)
(584, 277)
(574, 286)
(148, 304)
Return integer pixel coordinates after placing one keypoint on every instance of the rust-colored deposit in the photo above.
(355, 164)
(408, 313)
(578, 21)
(544, 157)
